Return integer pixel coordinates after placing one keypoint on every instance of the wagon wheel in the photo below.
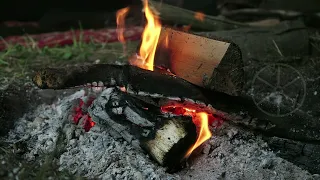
(282, 86)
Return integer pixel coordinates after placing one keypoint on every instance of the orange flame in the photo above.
(145, 60)
(201, 119)
(199, 16)
(150, 39)
(121, 15)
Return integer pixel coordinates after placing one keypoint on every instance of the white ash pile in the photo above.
(92, 154)
(98, 153)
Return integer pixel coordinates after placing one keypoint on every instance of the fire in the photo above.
(150, 37)
(121, 15)
(199, 118)
(204, 132)
(145, 60)
(186, 28)
(199, 16)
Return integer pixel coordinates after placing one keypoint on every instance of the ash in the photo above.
(230, 154)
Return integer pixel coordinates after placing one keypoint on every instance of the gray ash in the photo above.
(104, 154)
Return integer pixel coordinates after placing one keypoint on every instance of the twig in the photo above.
(262, 12)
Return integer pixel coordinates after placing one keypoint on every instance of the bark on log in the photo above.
(165, 139)
(256, 14)
(131, 77)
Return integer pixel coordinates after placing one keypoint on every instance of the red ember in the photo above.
(200, 118)
(79, 114)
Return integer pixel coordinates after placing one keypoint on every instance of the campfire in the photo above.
(163, 106)
(197, 97)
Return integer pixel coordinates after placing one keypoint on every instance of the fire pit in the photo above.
(169, 119)
(182, 108)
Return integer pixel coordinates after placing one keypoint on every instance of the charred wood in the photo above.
(306, 155)
(165, 139)
(132, 78)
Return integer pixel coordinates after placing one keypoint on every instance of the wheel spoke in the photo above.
(262, 100)
(291, 82)
(278, 76)
(265, 82)
(278, 109)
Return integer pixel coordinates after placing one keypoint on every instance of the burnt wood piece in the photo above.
(298, 118)
(211, 63)
(175, 15)
(133, 78)
(257, 107)
(273, 58)
(165, 139)
(306, 155)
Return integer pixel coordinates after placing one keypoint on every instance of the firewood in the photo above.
(289, 38)
(165, 139)
(172, 14)
(210, 63)
(134, 79)
(293, 115)
(261, 13)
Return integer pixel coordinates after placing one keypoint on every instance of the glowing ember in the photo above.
(200, 119)
(186, 28)
(123, 89)
(121, 15)
(199, 16)
(150, 39)
(80, 114)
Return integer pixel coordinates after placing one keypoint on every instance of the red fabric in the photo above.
(67, 38)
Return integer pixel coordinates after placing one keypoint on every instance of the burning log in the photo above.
(132, 78)
(157, 119)
(214, 63)
(166, 139)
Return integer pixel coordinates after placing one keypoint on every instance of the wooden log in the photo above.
(165, 139)
(305, 155)
(253, 14)
(289, 111)
(290, 38)
(209, 63)
(286, 47)
(133, 78)
(294, 5)
(174, 15)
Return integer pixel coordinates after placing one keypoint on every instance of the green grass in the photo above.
(18, 61)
